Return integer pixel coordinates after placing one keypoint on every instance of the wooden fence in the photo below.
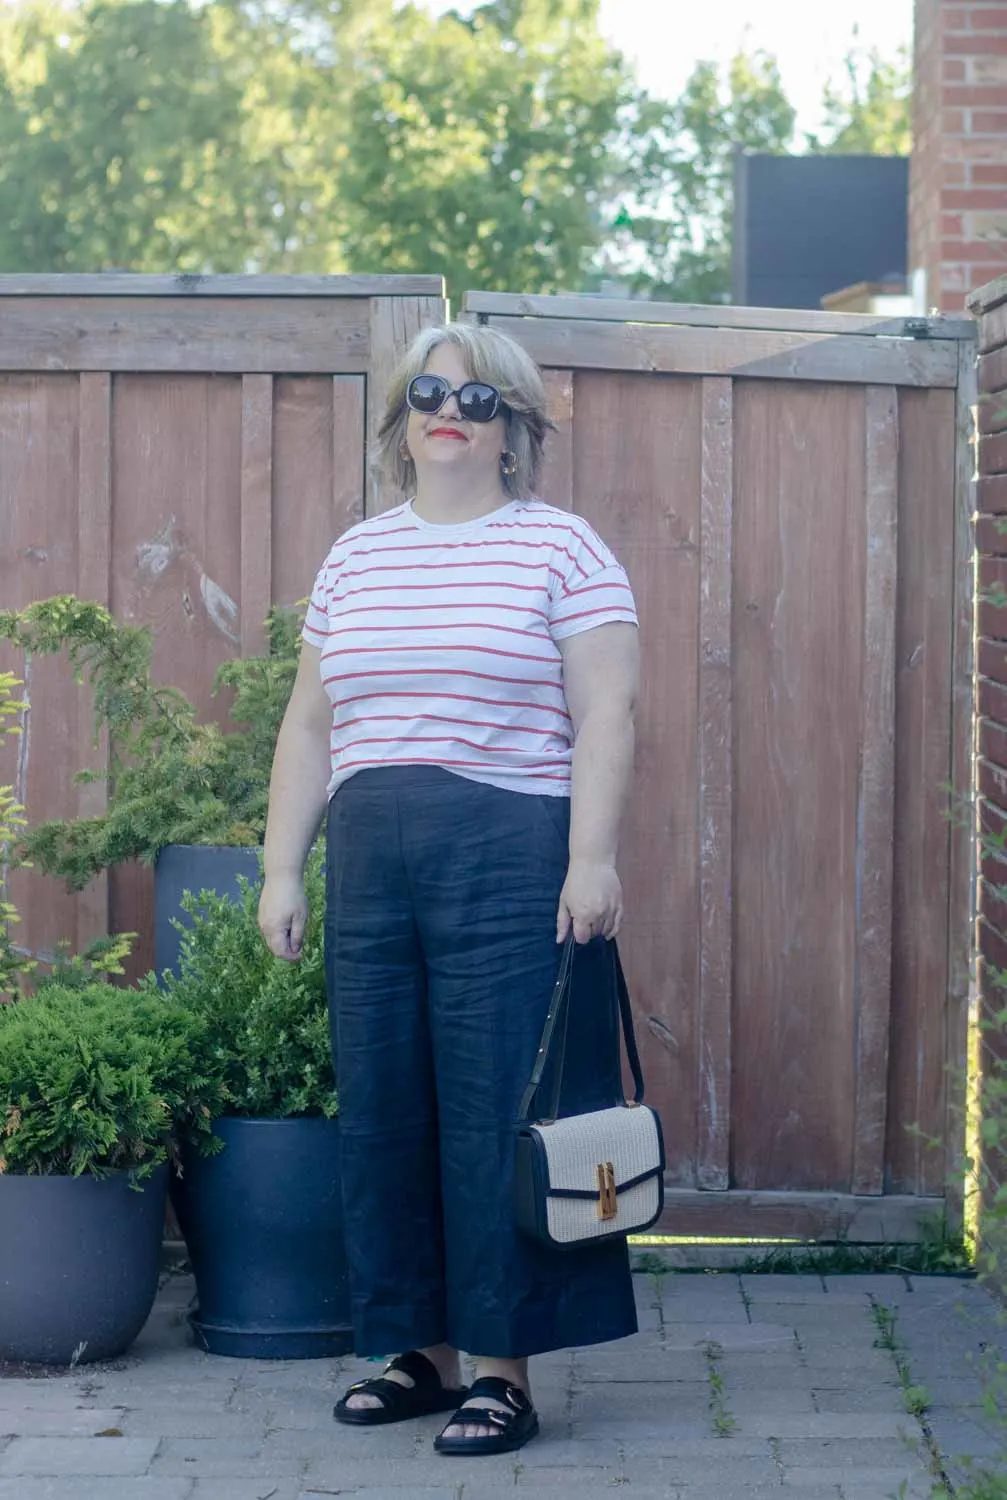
(790, 493)
(990, 306)
(183, 450)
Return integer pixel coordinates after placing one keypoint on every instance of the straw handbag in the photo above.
(587, 1177)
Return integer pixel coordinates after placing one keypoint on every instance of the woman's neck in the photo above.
(444, 499)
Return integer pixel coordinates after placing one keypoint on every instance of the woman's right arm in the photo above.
(297, 799)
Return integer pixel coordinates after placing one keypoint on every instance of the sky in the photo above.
(666, 38)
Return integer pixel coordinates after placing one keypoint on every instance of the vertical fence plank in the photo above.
(94, 582)
(557, 472)
(964, 831)
(256, 509)
(394, 323)
(876, 792)
(716, 789)
(347, 452)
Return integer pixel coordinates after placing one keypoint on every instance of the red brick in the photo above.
(973, 197)
(992, 820)
(953, 226)
(988, 18)
(989, 174)
(953, 70)
(993, 746)
(952, 19)
(961, 252)
(989, 122)
(968, 44)
(967, 96)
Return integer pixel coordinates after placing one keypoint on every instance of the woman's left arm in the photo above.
(601, 669)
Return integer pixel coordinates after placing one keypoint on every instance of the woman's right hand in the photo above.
(283, 912)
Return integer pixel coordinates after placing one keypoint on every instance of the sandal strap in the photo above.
(500, 1390)
(482, 1416)
(388, 1392)
(421, 1371)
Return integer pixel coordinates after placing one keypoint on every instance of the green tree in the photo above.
(672, 229)
(481, 147)
(872, 114)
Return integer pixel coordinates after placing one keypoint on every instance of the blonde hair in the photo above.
(493, 358)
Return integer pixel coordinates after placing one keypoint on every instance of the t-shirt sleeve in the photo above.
(589, 587)
(315, 629)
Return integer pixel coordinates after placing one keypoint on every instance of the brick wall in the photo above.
(990, 307)
(958, 177)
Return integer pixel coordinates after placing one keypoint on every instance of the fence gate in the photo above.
(790, 493)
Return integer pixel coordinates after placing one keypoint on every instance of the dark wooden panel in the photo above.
(94, 581)
(637, 466)
(876, 796)
(190, 284)
(790, 319)
(317, 476)
(39, 485)
(556, 485)
(923, 766)
(176, 549)
(830, 1217)
(244, 335)
(993, 371)
(799, 551)
(716, 790)
(256, 510)
(742, 352)
(991, 535)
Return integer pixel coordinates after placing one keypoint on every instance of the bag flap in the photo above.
(575, 1147)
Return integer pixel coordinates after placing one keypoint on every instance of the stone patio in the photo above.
(736, 1386)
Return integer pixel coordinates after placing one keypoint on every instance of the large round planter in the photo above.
(193, 867)
(79, 1262)
(263, 1224)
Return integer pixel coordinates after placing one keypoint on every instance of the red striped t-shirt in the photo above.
(439, 643)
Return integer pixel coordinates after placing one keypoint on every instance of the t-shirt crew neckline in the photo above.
(460, 528)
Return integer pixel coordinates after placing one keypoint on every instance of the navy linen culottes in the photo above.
(441, 958)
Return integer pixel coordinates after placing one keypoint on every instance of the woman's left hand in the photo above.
(591, 900)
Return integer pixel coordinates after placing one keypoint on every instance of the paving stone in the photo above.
(854, 1426)
(870, 1398)
(884, 1287)
(664, 1365)
(728, 1336)
(72, 1456)
(780, 1288)
(878, 1484)
(753, 1401)
(729, 1468)
(176, 1422)
(386, 1492)
(245, 1489)
(30, 1422)
(230, 1458)
(105, 1487)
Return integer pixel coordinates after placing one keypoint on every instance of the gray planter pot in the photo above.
(79, 1264)
(193, 867)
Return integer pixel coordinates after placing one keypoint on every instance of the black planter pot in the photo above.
(79, 1263)
(263, 1224)
(193, 867)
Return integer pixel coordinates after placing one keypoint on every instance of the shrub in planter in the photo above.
(91, 1079)
(263, 1220)
(172, 779)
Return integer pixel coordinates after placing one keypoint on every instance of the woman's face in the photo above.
(445, 440)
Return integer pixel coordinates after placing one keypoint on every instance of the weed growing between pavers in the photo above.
(915, 1397)
(722, 1420)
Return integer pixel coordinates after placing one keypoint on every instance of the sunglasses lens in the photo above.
(478, 402)
(427, 393)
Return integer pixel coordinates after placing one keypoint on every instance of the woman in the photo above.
(469, 661)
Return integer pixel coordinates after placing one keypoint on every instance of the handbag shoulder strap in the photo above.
(559, 1008)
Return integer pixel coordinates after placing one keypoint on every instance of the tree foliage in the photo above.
(505, 144)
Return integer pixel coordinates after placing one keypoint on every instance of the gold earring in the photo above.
(404, 453)
(508, 463)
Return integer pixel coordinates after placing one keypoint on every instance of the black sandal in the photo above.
(399, 1402)
(514, 1427)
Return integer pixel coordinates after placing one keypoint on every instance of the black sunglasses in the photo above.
(476, 402)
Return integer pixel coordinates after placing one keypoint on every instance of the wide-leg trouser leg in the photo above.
(469, 876)
(376, 982)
